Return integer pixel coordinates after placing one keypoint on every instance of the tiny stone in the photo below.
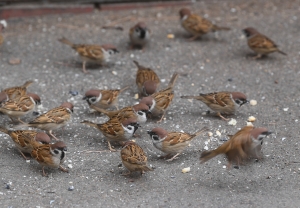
(73, 93)
(71, 188)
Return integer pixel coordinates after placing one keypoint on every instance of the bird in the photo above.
(139, 35)
(134, 158)
(115, 130)
(221, 102)
(103, 98)
(138, 111)
(147, 80)
(197, 25)
(245, 144)
(99, 54)
(172, 143)
(17, 108)
(260, 44)
(53, 119)
(160, 101)
(14, 92)
(50, 155)
(24, 143)
(3, 25)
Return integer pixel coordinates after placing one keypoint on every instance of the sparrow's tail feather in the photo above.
(89, 123)
(124, 88)
(201, 131)
(173, 80)
(101, 110)
(3, 129)
(207, 155)
(27, 84)
(136, 63)
(146, 168)
(66, 41)
(216, 27)
(279, 51)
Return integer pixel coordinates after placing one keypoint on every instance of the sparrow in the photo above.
(147, 80)
(172, 143)
(116, 130)
(14, 92)
(17, 108)
(260, 44)
(53, 119)
(24, 143)
(103, 98)
(160, 101)
(99, 54)
(3, 25)
(222, 102)
(138, 111)
(134, 158)
(139, 35)
(245, 144)
(50, 155)
(197, 25)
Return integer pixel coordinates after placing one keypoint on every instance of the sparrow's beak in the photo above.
(149, 132)
(84, 98)
(268, 133)
(244, 102)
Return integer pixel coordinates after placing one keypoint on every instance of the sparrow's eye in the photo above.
(238, 101)
(129, 127)
(140, 113)
(93, 99)
(56, 151)
(137, 30)
(111, 52)
(155, 137)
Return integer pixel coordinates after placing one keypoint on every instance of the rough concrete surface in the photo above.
(217, 62)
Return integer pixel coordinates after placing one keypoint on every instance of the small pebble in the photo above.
(253, 102)
(71, 188)
(73, 92)
(170, 36)
(186, 170)
(14, 61)
(251, 119)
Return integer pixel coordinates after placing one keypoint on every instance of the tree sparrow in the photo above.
(246, 143)
(222, 102)
(259, 43)
(53, 119)
(103, 98)
(139, 35)
(92, 53)
(14, 92)
(138, 111)
(197, 25)
(17, 108)
(172, 143)
(160, 101)
(24, 143)
(134, 158)
(50, 155)
(147, 80)
(116, 130)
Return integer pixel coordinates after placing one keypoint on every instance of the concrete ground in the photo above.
(217, 62)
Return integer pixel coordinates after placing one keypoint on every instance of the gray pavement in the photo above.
(211, 62)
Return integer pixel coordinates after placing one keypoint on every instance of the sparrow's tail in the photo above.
(192, 97)
(173, 80)
(101, 110)
(216, 27)
(3, 129)
(136, 63)
(27, 84)
(146, 168)
(279, 51)
(207, 155)
(66, 41)
(124, 88)
(89, 123)
(201, 131)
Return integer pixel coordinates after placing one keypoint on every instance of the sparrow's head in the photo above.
(149, 87)
(58, 149)
(259, 134)
(42, 138)
(111, 49)
(184, 12)
(68, 105)
(157, 134)
(141, 109)
(239, 98)
(92, 96)
(131, 125)
(140, 30)
(148, 101)
(250, 31)
(35, 97)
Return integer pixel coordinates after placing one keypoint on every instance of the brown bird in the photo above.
(139, 35)
(134, 158)
(197, 25)
(116, 130)
(138, 111)
(99, 54)
(103, 98)
(17, 108)
(160, 101)
(260, 44)
(53, 119)
(24, 143)
(50, 155)
(172, 143)
(13, 93)
(147, 80)
(222, 102)
(245, 144)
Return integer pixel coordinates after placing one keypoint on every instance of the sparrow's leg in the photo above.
(110, 147)
(162, 117)
(63, 169)
(194, 37)
(226, 119)
(126, 174)
(50, 133)
(23, 155)
(258, 56)
(174, 157)
(83, 67)
(44, 174)
(21, 121)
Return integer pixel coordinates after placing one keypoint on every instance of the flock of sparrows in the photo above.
(15, 102)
